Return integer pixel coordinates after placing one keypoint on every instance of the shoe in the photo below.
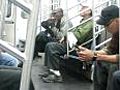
(45, 74)
(52, 78)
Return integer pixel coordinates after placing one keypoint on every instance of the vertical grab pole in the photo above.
(2, 19)
(118, 2)
(94, 32)
(32, 23)
(67, 27)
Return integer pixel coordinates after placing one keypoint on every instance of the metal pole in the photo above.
(118, 2)
(26, 71)
(67, 27)
(2, 21)
(94, 32)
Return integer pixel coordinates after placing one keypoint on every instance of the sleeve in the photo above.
(44, 24)
(48, 24)
(107, 50)
(84, 32)
(65, 26)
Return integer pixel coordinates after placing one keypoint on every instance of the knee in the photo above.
(116, 75)
(50, 45)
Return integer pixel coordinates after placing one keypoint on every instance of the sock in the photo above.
(56, 72)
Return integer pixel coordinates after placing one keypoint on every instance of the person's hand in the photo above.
(85, 54)
(63, 40)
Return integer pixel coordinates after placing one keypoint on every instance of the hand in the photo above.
(85, 54)
(63, 40)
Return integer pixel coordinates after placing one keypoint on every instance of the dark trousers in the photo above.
(53, 51)
(40, 42)
(116, 81)
(10, 78)
(103, 73)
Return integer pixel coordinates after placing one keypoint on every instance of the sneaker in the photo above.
(52, 78)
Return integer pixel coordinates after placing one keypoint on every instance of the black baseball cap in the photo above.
(107, 14)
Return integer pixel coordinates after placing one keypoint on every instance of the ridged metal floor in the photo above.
(70, 83)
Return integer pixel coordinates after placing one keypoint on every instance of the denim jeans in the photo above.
(8, 60)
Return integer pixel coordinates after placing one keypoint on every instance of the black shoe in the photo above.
(52, 78)
(45, 74)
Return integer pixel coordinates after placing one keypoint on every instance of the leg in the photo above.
(53, 51)
(116, 81)
(100, 76)
(10, 78)
(6, 59)
(112, 69)
(36, 47)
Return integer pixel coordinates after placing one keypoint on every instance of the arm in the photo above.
(88, 55)
(108, 58)
(48, 25)
(84, 32)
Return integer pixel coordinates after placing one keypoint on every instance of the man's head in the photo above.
(110, 18)
(58, 13)
(85, 11)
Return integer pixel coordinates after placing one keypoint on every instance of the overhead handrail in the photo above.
(70, 29)
(103, 43)
(27, 7)
(103, 2)
(77, 15)
(76, 5)
(12, 50)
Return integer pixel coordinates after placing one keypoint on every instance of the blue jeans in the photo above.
(8, 60)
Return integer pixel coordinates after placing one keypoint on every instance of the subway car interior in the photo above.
(28, 28)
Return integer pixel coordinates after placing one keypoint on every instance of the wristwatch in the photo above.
(94, 56)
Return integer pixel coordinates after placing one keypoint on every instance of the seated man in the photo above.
(54, 50)
(54, 26)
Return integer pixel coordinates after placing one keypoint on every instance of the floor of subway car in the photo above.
(71, 82)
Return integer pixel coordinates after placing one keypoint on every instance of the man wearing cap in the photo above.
(107, 58)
